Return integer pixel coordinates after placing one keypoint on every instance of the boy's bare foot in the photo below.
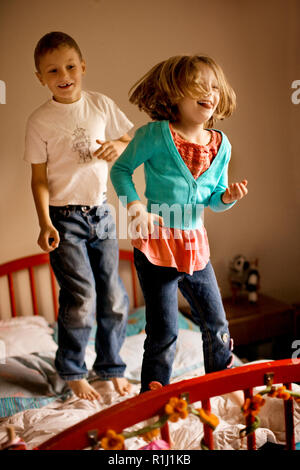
(83, 389)
(121, 385)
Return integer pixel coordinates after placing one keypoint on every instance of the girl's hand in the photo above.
(234, 192)
(49, 238)
(142, 222)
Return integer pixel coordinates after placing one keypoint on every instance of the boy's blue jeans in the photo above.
(160, 288)
(86, 267)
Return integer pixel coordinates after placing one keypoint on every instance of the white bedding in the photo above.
(35, 426)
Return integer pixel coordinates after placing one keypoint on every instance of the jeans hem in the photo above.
(70, 378)
(107, 376)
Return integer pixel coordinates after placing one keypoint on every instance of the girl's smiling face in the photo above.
(61, 70)
(195, 112)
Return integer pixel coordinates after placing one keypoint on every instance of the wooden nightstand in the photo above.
(266, 321)
(263, 330)
(260, 321)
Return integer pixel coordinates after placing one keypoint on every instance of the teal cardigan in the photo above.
(171, 189)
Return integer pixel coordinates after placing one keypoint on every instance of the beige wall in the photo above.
(256, 42)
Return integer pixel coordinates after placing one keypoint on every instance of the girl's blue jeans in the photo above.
(160, 289)
(86, 267)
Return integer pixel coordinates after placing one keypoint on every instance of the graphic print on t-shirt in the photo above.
(81, 144)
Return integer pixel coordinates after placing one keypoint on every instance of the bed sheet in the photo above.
(31, 381)
(28, 378)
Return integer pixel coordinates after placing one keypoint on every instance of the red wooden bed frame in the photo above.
(149, 404)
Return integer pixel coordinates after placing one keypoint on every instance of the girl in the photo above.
(186, 164)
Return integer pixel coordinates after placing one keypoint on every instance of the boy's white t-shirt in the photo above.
(64, 136)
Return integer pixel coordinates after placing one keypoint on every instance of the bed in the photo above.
(252, 406)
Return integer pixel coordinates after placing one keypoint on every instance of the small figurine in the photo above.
(244, 275)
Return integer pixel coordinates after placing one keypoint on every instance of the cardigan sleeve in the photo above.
(215, 201)
(135, 154)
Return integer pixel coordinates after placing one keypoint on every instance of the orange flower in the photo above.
(272, 392)
(112, 441)
(252, 405)
(176, 408)
(282, 392)
(148, 436)
(208, 418)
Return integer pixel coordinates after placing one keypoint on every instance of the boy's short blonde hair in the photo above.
(158, 91)
(51, 41)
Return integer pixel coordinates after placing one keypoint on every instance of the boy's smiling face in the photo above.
(61, 70)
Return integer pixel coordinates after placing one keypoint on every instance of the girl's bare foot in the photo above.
(83, 389)
(121, 385)
(236, 397)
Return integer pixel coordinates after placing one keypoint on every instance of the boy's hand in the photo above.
(111, 149)
(142, 222)
(234, 192)
(48, 239)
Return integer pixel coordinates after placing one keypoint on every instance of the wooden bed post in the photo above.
(251, 440)
(208, 432)
(289, 421)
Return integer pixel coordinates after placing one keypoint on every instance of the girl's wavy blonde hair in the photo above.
(158, 91)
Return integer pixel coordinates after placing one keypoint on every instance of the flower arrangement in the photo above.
(175, 409)
(178, 408)
(252, 406)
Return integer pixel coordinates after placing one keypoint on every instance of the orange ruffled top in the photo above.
(185, 250)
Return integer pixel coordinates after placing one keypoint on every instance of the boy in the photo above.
(69, 140)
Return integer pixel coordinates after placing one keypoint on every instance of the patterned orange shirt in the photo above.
(197, 157)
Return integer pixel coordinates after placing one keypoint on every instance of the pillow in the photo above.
(188, 356)
(25, 335)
